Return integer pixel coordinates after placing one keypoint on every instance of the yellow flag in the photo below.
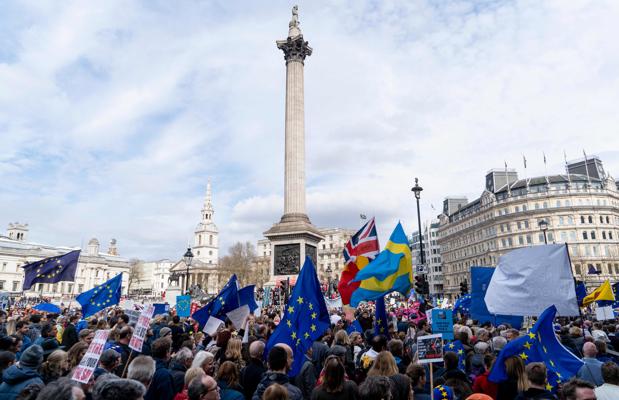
(604, 292)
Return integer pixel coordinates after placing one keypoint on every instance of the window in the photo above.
(604, 235)
(585, 236)
(573, 236)
(520, 240)
(526, 224)
(601, 219)
(545, 204)
(210, 240)
(519, 225)
(524, 207)
(537, 206)
(3, 266)
(2, 285)
(590, 219)
(551, 237)
(577, 267)
(592, 235)
(558, 203)
(582, 219)
(529, 239)
(199, 240)
(80, 288)
(561, 221)
(70, 288)
(607, 220)
(198, 253)
(15, 285)
(564, 237)
(540, 238)
(570, 220)
(610, 235)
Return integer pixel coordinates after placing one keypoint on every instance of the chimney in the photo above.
(112, 250)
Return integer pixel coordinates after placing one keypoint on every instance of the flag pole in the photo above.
(569, 259)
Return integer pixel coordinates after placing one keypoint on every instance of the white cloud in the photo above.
(113, 116)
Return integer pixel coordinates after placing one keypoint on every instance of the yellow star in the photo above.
(306, 335)
(551, 363)
(558, 375)
(544, 348)
(291, 309)
(289, 324)
(460, 352)
(300, 300)
(451, 345)
(548, 387)
(524, 356)
(527, 345)
(313, 328)
(532, 335)
(314, 315)
(539, 337)
(381, 329)
(311, 306)
(378, 321)
(293, 335)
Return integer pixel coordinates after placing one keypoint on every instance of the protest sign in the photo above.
(430, 348)
(183, 306)
(4, 300)
(604, 313)
(442, 322)
(89, 362)
(133, 316)
(137, 340)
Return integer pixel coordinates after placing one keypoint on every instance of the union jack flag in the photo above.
(359, 251)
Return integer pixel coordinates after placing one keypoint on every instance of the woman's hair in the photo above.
(84, 332)
(101, 324)
(353, 336)
(601, 346)
(201, 358)
(384, 365)
(333, 381)
(341, 338)
(229, 373)
(375, 388)
(6, 359)
(53, 367)
(75, 354)
(275, 392)
(233, 350)
(192, 373)
(223, 336)
(415, 372)
(514, 367)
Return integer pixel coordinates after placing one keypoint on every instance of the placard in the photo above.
(604, 313)
(89, 362)
(133, 316)
(430, 348)
(137, 340)
(442, 322)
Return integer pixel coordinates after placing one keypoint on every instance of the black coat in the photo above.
(69, 337)
(251, 375)
(178, 376)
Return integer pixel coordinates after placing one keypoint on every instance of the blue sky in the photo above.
(113, 115)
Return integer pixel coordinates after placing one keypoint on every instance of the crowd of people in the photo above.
(39, 351)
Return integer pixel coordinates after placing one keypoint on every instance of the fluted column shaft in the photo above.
(294, 185)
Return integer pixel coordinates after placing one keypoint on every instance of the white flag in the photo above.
(529, 280)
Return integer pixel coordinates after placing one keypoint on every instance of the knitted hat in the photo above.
(442, 392)
(165, 331)
(32, 357)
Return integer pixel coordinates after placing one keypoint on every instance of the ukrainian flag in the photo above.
(391, 270)
(604, 292)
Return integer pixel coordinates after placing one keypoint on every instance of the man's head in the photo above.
(511, 334)
(125, 334)
(184, 357)
(142, 369)
(73, 319)
(379, 343)
(32, 357)
(536, 374)
(417, 373)
(22, 327)
(289, 354)
(577, 389)
(62, 389)
(375, 388)
(278, 359)
(610, 373)
(86, 336)
(114, 389)
(109, 359)
(35, 318)
(256, 349)
(204, 388)
(589, 350)
(49, 330)
(161, 348)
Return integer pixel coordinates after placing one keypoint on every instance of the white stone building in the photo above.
(94, 266)
(581, 208)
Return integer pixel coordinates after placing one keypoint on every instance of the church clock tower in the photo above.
(206, 236)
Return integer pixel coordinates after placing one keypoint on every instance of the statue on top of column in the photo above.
(294, 22)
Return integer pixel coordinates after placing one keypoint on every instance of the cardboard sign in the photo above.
(430, 348)
(443, 323)
(137, 340)
(89, 362)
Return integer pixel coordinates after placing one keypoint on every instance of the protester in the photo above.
(206, 361)
(275, 392)
(191, 374)
(516, 379)
(55, 366)
(120, 389)
(591, 371)
(228, 381)
(17, 377)
(203, 388)
(279, 365)
(610, 389)
(142, 369)
(85, 336)
(577, 389)
(375, 388)
(537, 377)
(334, 385)
(181, 361)
(252, 373)
(385, 365)
(62, 389)
(7, 359)
(162, 387)
(69, 335)
(76, 353)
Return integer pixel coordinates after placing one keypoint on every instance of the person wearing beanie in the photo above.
(18, 376)
(165, 331)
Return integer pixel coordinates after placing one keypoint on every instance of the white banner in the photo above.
(89, 362)
(137, 340)
(333, 303)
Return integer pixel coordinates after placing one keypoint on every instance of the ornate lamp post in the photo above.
(328, 271)
(188, 258)
(543, 226)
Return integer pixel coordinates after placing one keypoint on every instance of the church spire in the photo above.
(207, 210)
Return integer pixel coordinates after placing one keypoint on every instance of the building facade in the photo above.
(432, 253)
(94, 266)
(579, 210)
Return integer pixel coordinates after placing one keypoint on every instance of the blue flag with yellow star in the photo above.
(381, 323)
(105, 295)
(463, 304)
(539, 345)
(306, 317)
(51, 270)
(456, 347)
(226, 301)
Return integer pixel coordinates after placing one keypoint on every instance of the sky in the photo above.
(114, 114)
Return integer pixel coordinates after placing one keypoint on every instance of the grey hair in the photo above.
(113, 389)
(183, 355)
(256, 349)
(201, 358)
(142, 369)
(498, 342)
(375, 388)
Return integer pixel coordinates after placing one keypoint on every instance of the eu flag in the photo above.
(354, 326)
(105, 295)
(247, 297)
(539, 345)
(306, 317)
(381, 323)
(463, 304)
(51, 270)
(581, 292)
(226, 301)
(456, 347)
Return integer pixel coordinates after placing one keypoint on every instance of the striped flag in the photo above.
(358, 252)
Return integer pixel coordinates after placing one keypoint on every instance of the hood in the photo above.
(14, 375)
(274, 377)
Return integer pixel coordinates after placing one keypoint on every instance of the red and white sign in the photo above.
(89, 362)
(137, 340)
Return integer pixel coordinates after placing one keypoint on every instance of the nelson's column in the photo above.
(294, 236)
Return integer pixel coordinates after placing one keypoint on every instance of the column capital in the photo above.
(295, 49)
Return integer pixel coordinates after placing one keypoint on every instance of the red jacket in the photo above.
(483, 385)
(182, 395)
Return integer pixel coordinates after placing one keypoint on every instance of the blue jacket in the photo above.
(15, 379)
(162, 387)
(26, 342)
(591, 371)
(228, 393)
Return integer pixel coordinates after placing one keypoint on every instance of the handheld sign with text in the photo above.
(137, 340)
(83, 372)
(443, 323)
(430, 348)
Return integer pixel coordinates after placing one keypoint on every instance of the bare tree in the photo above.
(136, 274)
(240, 261)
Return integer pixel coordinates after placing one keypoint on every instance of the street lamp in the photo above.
(188, 258)
(543, 225)
(417, 191)
(328, 271)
